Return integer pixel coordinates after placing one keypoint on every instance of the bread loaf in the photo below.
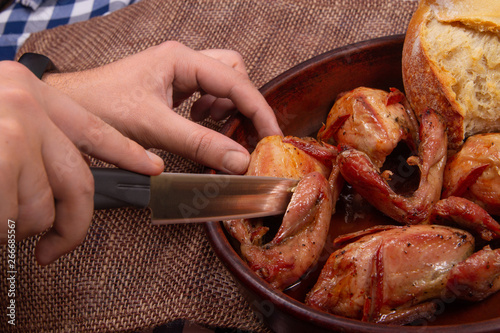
(451, 63)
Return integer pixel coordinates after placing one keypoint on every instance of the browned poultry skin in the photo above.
(300, 239)
(467, 215)
(358, 170)
(474, 172)
(390, 274)
(302, 235)
(372, 121)
(478, 277)
(276, 156)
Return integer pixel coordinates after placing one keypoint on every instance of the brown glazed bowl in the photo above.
(302, 98)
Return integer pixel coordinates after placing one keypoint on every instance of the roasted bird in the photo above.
(304, 229)
(391, 274)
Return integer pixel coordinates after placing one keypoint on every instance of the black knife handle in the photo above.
(117, 188)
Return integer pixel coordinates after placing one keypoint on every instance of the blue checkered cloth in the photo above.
(25, 17)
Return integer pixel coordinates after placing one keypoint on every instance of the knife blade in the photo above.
(185, 197)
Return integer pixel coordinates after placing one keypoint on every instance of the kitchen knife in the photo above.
(185, 197)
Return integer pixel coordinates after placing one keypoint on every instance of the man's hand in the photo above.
(136, 95)
(46, 182)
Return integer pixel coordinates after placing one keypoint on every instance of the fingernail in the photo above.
(155, 158)
(235, 162)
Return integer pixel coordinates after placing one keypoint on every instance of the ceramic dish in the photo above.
(302, 98)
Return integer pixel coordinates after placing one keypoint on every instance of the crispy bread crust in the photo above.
(425, 86)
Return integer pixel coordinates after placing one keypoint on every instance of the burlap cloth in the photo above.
(128, 274)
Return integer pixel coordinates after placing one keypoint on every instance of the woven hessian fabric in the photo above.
(128, 274)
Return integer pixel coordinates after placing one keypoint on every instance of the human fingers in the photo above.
(30, 148)
(209, 105)
(183, 137)
(87, 131)
(195, 69)
(216, 108)
(230, 58)
(26, 198)
(70, 177)
(36, 210)
(94, 137)
(73, 189)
